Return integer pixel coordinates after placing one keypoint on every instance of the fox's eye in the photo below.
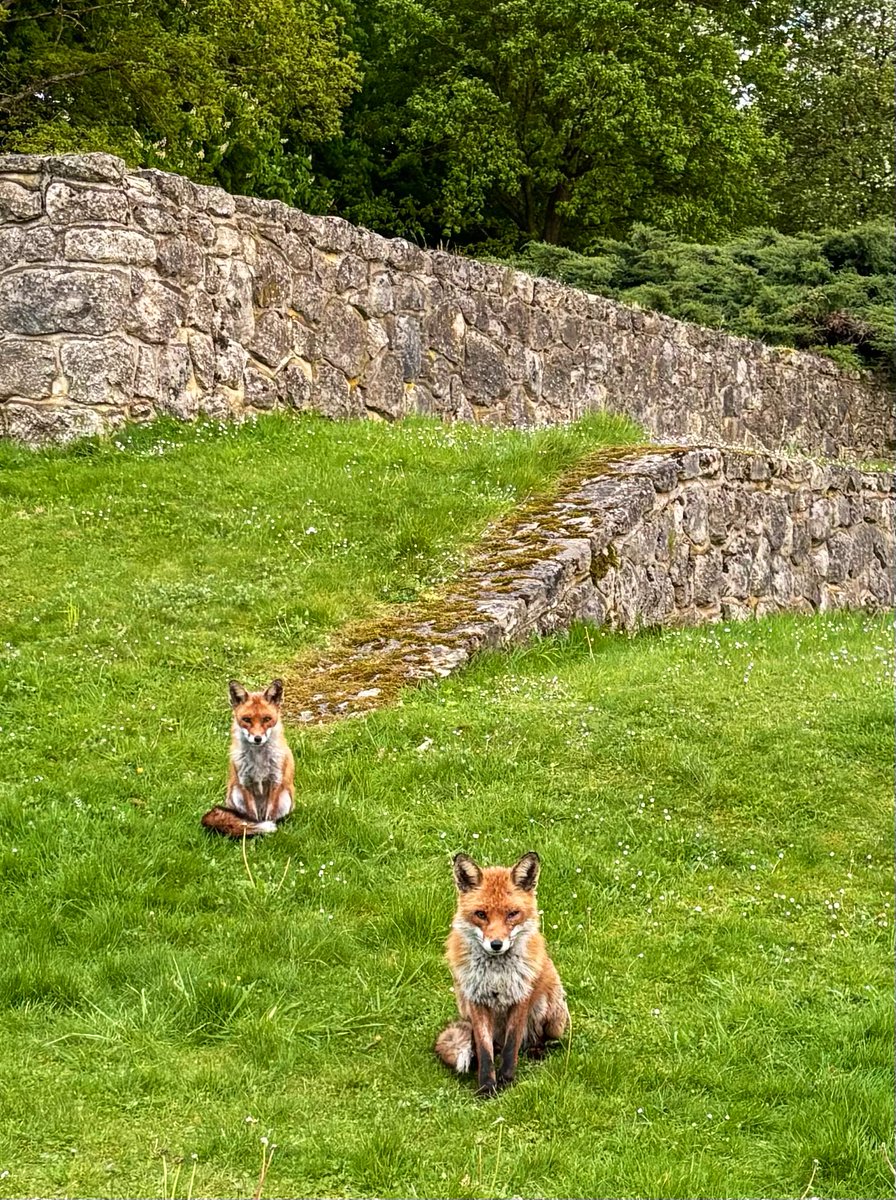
(480, 915)
(513, 915)
(246, 720)
(265, 720)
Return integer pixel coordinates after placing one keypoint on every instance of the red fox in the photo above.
(509, 994)
(262, 769)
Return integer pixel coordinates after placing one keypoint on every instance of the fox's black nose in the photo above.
(256, 738)
(496, 943)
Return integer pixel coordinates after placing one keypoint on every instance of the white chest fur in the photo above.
(258, 766)
(497, 981)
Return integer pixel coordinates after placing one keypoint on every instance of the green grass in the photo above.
(713, 807)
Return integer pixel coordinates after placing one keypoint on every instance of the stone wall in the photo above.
(668, 537)
(128, 294)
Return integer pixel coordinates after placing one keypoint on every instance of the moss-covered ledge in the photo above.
(632, 538)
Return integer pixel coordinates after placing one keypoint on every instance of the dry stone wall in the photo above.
(669, 537)
(128, 294)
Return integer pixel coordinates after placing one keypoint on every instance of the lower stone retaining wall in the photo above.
(640, 538)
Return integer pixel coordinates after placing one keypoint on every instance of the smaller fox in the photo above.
(509, 994)
(262, 768)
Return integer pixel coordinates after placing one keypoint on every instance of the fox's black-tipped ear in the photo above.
(525, 873)
(467, 875)
(274, 693)
(238, 693)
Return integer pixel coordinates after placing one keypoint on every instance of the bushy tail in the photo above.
(454, 1046)
(231, 824)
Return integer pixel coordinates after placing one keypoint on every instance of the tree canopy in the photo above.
(483, 123)
(232, 91)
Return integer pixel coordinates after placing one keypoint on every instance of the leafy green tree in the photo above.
(832, 107)
(234, 91)
(501, 120)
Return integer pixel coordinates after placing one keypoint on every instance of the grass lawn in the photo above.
(713, 808)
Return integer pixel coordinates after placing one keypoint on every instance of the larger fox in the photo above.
(262, 769)
(509, 994)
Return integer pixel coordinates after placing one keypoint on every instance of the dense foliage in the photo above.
(830, 292)
(226, 91)
(488, 123)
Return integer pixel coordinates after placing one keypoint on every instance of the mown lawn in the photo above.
(713, 808)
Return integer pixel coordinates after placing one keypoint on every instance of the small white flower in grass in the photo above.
(654, 1012)
(311, 529)
(251, 1120)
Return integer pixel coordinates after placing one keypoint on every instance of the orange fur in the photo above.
(261, 781)
(509, 994)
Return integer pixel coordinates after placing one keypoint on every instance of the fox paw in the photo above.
(537, 1052)
(488, 1089)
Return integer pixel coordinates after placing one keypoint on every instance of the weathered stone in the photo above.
(342, 338)
(260, 388)
(407, 346)
(332, 394)
(46, 300)
(146, 376)
(383, 387)
(307, 298)
(75, 205)
(156, 310)
(273, 278)
(446, 331)
(272, 341)
(539, 351)
(27, 368)
(180, 259)
(176, 397)
(484, 373)
(37, 243)
(202, 352)
(39, 425)
(125, 246)
(18, 203)
(230, 362)
(99, 370)
(294, 385)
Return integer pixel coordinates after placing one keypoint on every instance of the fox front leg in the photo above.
(242, 800)
(513, 1039)
(280, 805)
(483, 1040)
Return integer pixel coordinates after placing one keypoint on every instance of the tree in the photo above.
(832, 107)
(231, 91)
(504, 120)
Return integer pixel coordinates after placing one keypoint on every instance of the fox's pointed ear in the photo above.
(525, 873)
(274, 693)
(467, 875)
(238, 693)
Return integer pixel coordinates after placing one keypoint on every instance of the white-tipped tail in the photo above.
(454, 1046)
(231, 824)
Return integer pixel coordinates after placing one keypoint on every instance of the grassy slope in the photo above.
(156, 993)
